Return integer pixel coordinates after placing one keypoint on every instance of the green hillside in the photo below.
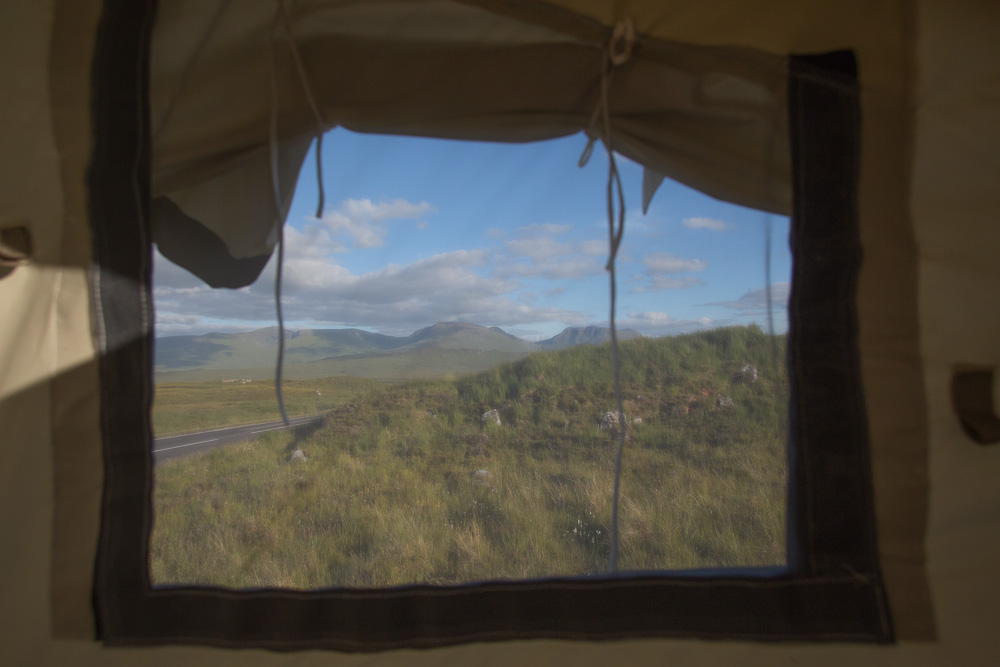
(417, 483)
(258, 349)
(574, 336)
(454, 348)
(387, 367)
(465, 336)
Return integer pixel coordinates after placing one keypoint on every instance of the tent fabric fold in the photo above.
(712, 118)
(185, 241)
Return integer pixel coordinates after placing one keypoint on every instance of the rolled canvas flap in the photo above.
(712, 118)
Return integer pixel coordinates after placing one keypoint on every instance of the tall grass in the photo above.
(409, 485)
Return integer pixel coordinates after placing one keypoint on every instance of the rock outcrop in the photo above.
(491, 417)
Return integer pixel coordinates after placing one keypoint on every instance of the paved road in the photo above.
(173, 446)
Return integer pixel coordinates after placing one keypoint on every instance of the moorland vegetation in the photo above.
(416, 482)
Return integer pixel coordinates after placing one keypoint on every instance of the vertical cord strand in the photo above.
(768, 189)
(279, 371)
(321, 124)
(618, 52)
(280, 220)
(321, 204)
(615, 237)
(767, 274)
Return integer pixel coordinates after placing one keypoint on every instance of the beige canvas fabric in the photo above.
(48, 383)
(374, 67)
(927, 206)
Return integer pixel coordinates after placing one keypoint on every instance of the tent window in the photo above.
(832, 590)
(458, 451)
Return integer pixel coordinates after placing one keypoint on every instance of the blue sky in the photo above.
(417, 231)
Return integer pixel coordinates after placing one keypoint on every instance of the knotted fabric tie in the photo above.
(617, 52)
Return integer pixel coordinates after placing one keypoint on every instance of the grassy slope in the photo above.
(183, 407)
(409, 486)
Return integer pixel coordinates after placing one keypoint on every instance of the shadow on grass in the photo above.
(302, 433)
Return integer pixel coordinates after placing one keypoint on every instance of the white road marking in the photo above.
(276, 428)
(202, 442)
(292, 422)
(231, 428)
(211, 430)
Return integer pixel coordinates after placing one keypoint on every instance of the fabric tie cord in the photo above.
(281, 15)
(617, 52)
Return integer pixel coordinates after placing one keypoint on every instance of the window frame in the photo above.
(832, 590)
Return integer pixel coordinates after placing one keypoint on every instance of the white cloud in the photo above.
(364, 222)
(176, 324)
(661, 262)
(398, 298)
(754, 302)
(543, 228)
(174, 318)
(650, 317)
(307, 275)
(169, 274)
(313, 241)
(706, 223)
(636, 225)
(562, 268)
(537, 253)
(657, 323)
(659, 266)
(659, 283)
(396, 209)
(317, 290)
(598, 248)
(446, 273)
(538, 249)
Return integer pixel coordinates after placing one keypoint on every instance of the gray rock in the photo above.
(724, 401)
(491, 417)
(747, 373)
(610, 419)
(297, 455)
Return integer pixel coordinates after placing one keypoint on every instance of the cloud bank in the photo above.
(706, 223)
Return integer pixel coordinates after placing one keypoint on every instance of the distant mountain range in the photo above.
(573, 336)
(255, 349)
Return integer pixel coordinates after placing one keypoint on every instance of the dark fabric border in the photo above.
(118, 188)
(833, 521)
(834, 593)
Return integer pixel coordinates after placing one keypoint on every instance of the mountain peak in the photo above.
(268, 336)
(466, 335)
(589, 335)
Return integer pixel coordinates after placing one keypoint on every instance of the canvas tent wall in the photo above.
(928, 74)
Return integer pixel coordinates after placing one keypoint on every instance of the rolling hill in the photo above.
(573, 336)
(445, 348)
(416, 482)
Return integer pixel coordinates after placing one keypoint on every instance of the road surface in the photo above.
(173, 446)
